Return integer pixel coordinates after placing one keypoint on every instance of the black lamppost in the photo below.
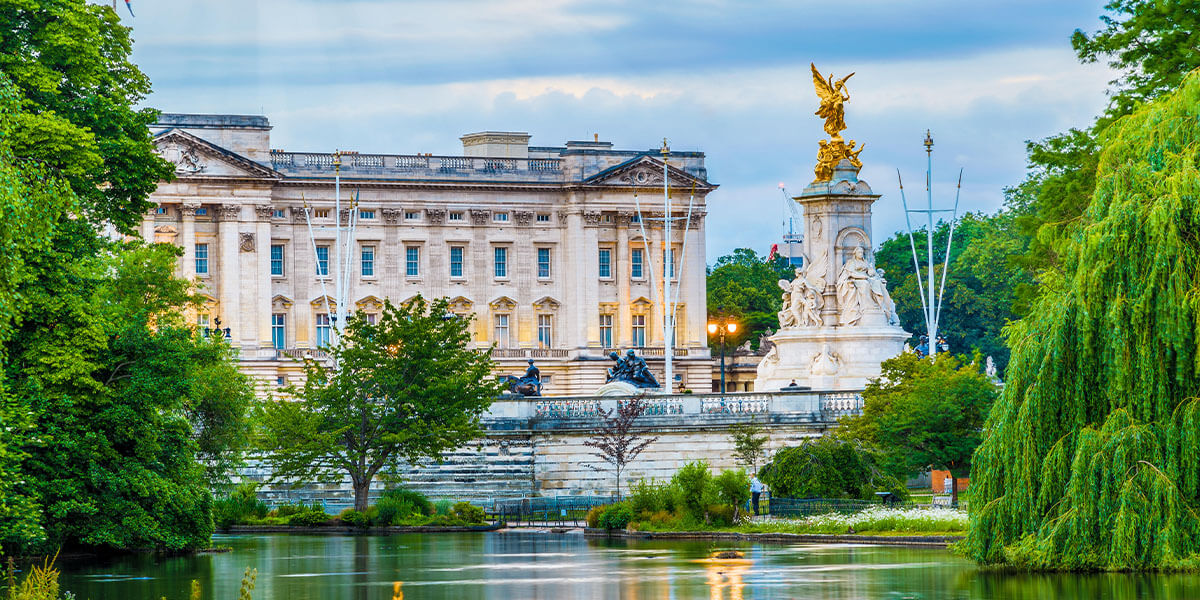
(217, 331)
(718, 329)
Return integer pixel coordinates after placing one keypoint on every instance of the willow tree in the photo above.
(1091, 458)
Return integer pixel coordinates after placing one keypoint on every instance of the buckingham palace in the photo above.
(544, 247)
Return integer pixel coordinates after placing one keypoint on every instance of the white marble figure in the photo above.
(990, 368)
(860, 288)
(801, 301)
(766, 367)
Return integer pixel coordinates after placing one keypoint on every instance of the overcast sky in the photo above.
(727, 78)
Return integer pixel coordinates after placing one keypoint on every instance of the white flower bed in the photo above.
(885, 519)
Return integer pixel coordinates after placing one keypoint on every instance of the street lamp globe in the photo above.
(731, 326)
(712, 328)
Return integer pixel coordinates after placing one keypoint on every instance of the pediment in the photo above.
(647, 171)
(503, 303)
(369, 304)
(197, 157)
(546, 303)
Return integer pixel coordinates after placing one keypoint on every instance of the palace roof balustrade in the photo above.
(420, 167)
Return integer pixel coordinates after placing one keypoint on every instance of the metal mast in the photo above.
(668, 267)
(931, 308)
(337, 266)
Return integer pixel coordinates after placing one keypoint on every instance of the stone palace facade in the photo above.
(542, 247)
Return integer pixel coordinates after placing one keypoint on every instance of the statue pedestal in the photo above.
(829, 358)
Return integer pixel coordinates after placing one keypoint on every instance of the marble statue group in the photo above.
(861, 288)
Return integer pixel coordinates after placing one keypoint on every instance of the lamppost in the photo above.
(719, 329)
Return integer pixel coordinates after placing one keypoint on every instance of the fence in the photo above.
(805, 507)
(545, 512)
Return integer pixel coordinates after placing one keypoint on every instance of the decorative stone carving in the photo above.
(523, 217)
(480, 216)
(166, 230)
(392, 215)
(592, 217)
(264, 211)
(300, 215)
(185, 158)
(562, 217)
(229, 213)
(246, 242)
(188, 209)
(643, 176)
(826, 362)
(344, 215)
(802, 301)
(624, 218)
(436, 216)
(697, 219)
(990, 369)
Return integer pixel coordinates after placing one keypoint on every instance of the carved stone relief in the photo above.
(228, 213)
(185, 158)
(480, 216)
(246, 242)
(392, 215)
(592, 217)
(436, 216)
(524, 217)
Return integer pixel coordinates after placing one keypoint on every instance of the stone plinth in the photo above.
(829, 358)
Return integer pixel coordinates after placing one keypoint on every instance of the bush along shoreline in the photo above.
(395, 508)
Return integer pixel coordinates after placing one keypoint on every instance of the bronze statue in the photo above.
(529, 384)
(631, 369)
(833, 95)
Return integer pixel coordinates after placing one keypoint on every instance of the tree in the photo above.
(404, 389)
(983, 287)
(1153, 44)
(749, 443)
(744, 286)
(829, 467)
(924, 414)
(69, 63)
(617, 441)
(1089, 459)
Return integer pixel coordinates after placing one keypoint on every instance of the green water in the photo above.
(516, 565)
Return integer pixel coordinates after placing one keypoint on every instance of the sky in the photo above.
(729, 78)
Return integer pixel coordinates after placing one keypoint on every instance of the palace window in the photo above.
(161, 210)
(371, 318)
(501, 263)
(545, 329)
(202, 323)
(543, 218)
(635, 219)
(366, 214)
(277, 260)
(639, 330)
(202, 259)
(322, 338)
(200, 212)
(669, 262)
(606, 330)
(277, 213)
(543, 263)
(500, 217)
(412, 261)
(605, 263)
(321, 213)
(500, 333)
(323, 261)
(635, 263)
(456, 216)
(279, 330)
(456, 261)
(412, 216)
(368, 261)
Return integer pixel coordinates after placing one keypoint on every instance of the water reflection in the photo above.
(507, 565)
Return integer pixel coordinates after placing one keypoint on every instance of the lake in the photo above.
(517, 564)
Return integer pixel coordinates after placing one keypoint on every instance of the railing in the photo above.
(805, 507)
(530, 353)
(648, 351)
(835, 405)
(666, 410)
(559, 510)
(300, 353)
(381, 165)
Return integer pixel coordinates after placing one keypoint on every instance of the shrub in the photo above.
(287, 510)
(468, 512)
(647, 496)
(417, 499)
(732, 488)
(354, 518)
(690, 483)
(309, 517)
(616, 516)
(721, 514)
(443, 506)
(240, 506)
(593, 515)
(828, 467)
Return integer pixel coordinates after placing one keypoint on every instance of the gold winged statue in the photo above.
(833, 94)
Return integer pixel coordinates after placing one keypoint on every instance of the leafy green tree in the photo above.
(981, 291)
(749, 443)
(924, 414)
(405, 388)
(1090, 456)
(69, 62)
(829, 467)
(1153, 44)
(745, 287)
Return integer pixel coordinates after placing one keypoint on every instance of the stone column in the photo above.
(622, 327)
(262, 273)
(696, 291)
(587, 312)
(228, 272)
(148, 223)
(187, 237)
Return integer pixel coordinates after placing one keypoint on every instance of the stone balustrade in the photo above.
(398, 166)
(674, 410)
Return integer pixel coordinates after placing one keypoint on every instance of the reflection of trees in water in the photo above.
(1116, 586)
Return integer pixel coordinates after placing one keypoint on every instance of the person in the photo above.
(756, 490)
